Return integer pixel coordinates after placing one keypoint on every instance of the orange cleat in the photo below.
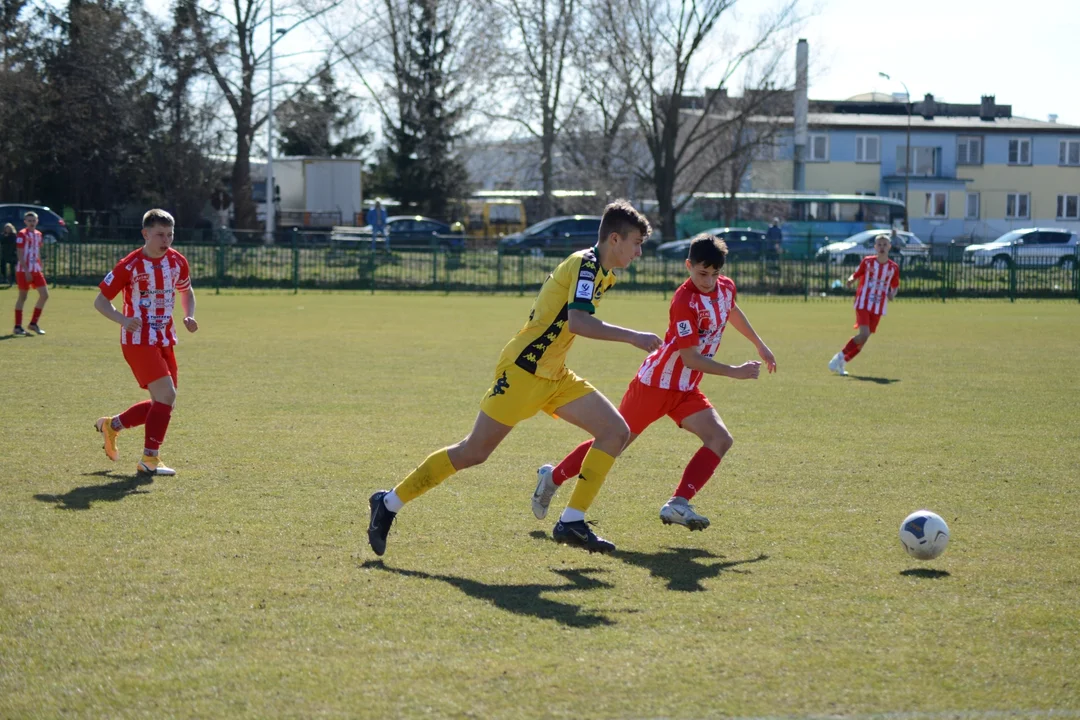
(108, 436)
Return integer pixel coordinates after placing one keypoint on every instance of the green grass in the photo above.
(244, 587)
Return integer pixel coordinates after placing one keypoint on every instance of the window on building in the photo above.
(1069, 152)
(1020, 151)
(937, 204)
(969, 150)
(867, 148)
(897, 195)
(1068, 207)
(819, 148)
(971, 208)
(924, 160)
(1017, 205)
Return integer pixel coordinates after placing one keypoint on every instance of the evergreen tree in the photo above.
(319, 123)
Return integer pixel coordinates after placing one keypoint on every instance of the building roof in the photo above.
(1009, 124)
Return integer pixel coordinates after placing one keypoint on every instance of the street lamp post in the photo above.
(907, 149)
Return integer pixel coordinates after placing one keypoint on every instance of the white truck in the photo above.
(315, 192)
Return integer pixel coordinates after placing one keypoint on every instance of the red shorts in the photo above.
(150, 362)
(865, 317)
(25, 281)
(642, 405)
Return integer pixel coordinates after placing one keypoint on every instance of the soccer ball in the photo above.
(924, 535)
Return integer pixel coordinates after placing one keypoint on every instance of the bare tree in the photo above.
(670, 38)
(535, 57)
(235, 55)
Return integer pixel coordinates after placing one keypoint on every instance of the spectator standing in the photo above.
(376, 218)
(8, 257)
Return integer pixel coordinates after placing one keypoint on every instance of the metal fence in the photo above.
(298, 260)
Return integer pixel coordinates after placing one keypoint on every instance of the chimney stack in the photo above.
(987, 107)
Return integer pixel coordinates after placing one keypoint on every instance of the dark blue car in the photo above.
(51, 225)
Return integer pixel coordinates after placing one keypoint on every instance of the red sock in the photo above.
(18, 318)
(570, 467)
(157, 423)
(37, 314)
(851, 349)
(697, 472)
(135, 415)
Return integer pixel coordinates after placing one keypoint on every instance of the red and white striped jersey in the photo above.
(150, 286)
(30, 241)
(695, 320)
(875, 281)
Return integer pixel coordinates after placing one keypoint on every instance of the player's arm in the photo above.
(693, 359)
(857, 274)
(187, 302)
(894, 285)
(584, 324)
(739, 321)
(104, 306)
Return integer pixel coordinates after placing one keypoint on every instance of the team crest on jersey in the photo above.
(144, 303)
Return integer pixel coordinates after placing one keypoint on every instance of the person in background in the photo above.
(8, 258)
(29, 273)
(376, 218)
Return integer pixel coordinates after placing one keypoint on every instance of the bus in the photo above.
(807, 220)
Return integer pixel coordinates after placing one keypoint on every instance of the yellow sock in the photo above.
(431, 472)
(594, 468)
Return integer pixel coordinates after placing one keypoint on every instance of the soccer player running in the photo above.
(531, 375)
(667, 382)
(150, 279)
(29, 273)
(879, 281)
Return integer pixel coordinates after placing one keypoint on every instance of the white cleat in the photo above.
(678, 511)
(153, 466)
(837, 364)
(545, 490)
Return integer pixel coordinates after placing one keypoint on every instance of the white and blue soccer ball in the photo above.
(924, 535)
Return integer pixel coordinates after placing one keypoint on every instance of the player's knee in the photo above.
(617, 434)
(43, 293)
(721, 443)
(166, 396)
(468, 455)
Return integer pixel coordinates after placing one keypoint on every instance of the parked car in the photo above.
(408, 232)
(907, 248)
(557, 235)
(51, 225)
(742, 243)
(1030, 246)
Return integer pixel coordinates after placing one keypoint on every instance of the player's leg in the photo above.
(43, 297)
(716, 441)
(594, 414)
(20, 300)
(863, 321)
(160, 364)
(477, 446)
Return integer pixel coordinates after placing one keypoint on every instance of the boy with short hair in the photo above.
(531, 375)
(150, 279)
(667, 382)
(879, 281)
(29, 273)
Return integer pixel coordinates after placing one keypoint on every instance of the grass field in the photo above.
(244, 587)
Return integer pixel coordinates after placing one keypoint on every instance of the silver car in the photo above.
(906, 248)
(1028, 247)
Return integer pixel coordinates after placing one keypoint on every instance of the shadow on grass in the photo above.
(523, 599)
(678, 566)
(925, 573)
(878, 380)
(9, 336)
(81, 498)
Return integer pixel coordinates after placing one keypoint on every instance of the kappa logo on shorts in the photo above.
(501, 386)
(684, 328)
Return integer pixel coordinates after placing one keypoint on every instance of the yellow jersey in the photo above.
(540, 347)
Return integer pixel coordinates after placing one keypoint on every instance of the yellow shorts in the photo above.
(517, 394)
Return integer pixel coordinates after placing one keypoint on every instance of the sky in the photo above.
(1026, 53)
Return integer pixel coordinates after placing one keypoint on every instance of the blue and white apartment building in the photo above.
(976, 170)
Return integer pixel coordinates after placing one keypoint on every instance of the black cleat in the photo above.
(379, 525)
(18, 330)
(580, 534)
(33, 327)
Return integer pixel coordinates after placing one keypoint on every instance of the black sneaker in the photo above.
(35, 328)
(18, 330)
(580, 534)
(381, 520)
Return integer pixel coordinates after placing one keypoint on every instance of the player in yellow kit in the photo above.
(531, 375)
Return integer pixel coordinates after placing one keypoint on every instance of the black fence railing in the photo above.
(298, 260)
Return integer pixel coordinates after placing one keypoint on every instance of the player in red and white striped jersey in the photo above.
(150, 279)
(29, 274)
(879, 281)
(667, 381)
